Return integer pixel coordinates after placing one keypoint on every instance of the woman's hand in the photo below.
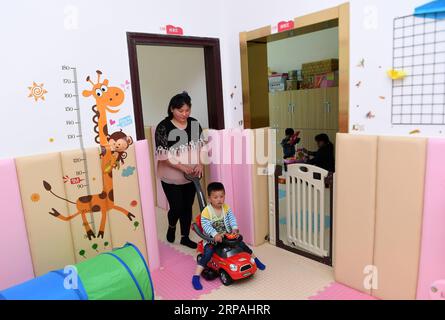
(197, 170)
(186, 169)
(218, 238)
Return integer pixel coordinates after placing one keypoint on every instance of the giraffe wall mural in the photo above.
(67, 224)
(108, 99)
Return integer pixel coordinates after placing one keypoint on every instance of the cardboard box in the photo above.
(277, 82)
(292, 85)
(326, 80)
(308, 82)
(319, 67)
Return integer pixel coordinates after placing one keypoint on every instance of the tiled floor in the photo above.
(287, 276)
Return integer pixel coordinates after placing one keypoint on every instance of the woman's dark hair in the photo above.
(215, 186)
(178, 101)
(289, 132)
(322, 137)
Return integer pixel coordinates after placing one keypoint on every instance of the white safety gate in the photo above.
(306, 206)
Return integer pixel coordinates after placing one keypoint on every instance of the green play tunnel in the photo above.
(121, 274)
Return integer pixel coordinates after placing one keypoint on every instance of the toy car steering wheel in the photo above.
(231, 236)
(232, 239)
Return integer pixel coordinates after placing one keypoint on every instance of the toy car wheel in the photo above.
(225, 278)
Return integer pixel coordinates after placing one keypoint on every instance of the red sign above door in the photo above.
(174, 30)
(285, 25)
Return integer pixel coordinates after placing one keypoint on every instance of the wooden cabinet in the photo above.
(304, 109)
(312, 111)
(331, 114)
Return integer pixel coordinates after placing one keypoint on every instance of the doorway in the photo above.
(280, 90)
(160, 67)
(210, 49)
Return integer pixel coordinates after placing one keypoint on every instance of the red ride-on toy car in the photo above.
(229, 259)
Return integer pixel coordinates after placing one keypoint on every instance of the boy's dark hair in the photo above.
(289, 132)
(215, 186)
(322, 137)
(177, 102)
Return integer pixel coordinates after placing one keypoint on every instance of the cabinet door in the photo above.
(285, 108)
(332, 108)
(302, 101)
(297, 117)
(279, 109)
(321, 109)
(274, 113)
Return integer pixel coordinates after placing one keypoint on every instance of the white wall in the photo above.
(40, 36)
(166, 71)
(371, 33)
(291, 53)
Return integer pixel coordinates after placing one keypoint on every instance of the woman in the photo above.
(324, 157)
(177, 138)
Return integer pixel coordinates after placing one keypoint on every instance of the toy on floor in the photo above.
(300, 157)
(229, 261)
(121, 274)
(437, 290)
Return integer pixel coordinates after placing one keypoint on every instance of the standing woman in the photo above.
(177, 137)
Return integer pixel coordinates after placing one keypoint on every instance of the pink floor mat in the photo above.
(173, 281)
(337, 291)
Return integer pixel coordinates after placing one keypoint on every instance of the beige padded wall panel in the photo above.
(354, 212)
(260, 186)
(50, 238)
(72, 169)
(400, 183)
(126, 196)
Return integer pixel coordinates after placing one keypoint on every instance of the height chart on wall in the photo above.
(418, 70)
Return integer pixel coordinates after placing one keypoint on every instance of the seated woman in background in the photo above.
(324, 157)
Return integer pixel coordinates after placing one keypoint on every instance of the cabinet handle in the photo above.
(328, 104)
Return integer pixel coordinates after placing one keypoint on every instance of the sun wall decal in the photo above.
(37, 91)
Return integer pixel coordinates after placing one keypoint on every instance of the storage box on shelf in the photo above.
(277, 82)
(292, 85)
(319, 67)
(326, 80)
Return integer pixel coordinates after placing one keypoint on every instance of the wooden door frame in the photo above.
(212, 62)
(310, 21)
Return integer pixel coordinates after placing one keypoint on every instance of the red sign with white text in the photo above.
(285, 25)
(174, 30)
